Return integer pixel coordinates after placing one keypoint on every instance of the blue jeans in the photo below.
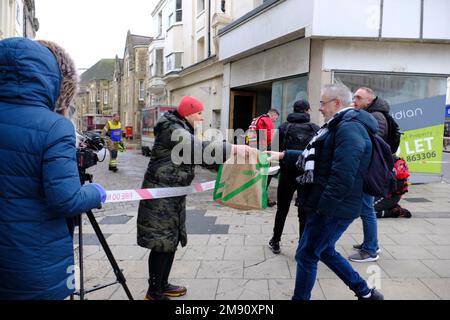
(369, 222)
(317, 243)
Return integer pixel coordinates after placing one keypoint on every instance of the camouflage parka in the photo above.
(161, 223)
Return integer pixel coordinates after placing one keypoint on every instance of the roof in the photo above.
(140, 40)
(102, 70)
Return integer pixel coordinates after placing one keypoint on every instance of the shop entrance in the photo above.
(247, 103)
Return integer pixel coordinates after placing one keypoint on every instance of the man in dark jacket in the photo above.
(161, 223)
(365, 99)
(40, 186)
(332, 192)
(294, 134)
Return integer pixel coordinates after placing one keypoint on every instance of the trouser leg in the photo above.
(157, 267)
(113, 160)
(285, 192)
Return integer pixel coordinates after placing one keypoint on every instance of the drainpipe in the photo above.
(209, 28)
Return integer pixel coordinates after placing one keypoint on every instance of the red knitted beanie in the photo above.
(189, 105)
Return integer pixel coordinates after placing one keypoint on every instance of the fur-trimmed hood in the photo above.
(69, 81)
(36, 73)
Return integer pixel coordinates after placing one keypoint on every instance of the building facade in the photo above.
(183, 58)
(18, 19)
(97, 90)
(399, 48)
(133, 81)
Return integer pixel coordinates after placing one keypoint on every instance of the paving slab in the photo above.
(243, 289)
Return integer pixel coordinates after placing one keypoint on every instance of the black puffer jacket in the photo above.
(378, 109)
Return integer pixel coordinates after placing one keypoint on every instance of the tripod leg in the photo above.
(119, 275)
(80, 255)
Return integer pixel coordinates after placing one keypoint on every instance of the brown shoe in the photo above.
(174, 291)
(155, 297)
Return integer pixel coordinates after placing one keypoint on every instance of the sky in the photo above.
(91, 30)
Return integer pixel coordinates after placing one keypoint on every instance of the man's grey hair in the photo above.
(274, 111)
(338, 91)
(369, 91)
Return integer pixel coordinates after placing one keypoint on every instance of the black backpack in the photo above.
(299, 137)
(394, 133)
(379, 178)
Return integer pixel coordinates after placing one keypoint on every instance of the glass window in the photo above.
(395, 88)
(141, 90)
(200, 5)
(105, 96)
(174, 61)
(178, 11)
(159, 23)
(286, 92)
(159, 63)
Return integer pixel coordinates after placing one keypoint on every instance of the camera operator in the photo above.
(40, 186)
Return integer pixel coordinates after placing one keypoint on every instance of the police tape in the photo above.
(159, 193)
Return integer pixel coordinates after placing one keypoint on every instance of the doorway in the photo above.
(243, 109)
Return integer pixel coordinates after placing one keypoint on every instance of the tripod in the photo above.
(120, 278)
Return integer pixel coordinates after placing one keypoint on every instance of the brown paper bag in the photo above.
(243, 185)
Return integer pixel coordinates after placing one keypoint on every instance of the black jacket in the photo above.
(297, 124)
(378, 108)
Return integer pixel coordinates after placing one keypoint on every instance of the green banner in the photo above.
(422, 149)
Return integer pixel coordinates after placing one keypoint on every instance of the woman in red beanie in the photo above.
(161, 222)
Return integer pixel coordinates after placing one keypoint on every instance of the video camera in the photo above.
(90, 143)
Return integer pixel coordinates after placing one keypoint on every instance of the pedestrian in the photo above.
(365, 99)
(332, 190)
(40, 186)
(112, 131)
(161, 223)
(294, 134)
(260, 136)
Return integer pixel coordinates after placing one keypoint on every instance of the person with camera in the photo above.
(112, 131)
(161, 223)
(40, 186)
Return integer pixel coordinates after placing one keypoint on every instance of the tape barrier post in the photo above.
(115, 196)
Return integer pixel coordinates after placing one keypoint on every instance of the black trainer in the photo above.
(374, 295)
(274, 246)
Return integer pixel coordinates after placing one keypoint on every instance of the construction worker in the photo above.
(113, 135)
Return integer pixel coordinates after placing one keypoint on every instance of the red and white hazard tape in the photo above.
(159, 193)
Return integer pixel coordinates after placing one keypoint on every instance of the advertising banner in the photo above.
(422, 123)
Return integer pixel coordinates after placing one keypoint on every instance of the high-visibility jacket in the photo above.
(115, 131)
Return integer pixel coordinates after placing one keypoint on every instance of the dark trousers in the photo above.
(159, 266)
(287, 185)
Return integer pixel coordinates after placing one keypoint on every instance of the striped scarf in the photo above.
(305, 161)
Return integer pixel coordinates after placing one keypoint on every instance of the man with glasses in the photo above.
(332, 192)
(365, 99)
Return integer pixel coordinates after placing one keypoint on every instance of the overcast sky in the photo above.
(91, 30)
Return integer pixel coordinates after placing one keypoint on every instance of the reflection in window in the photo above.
(395, 88)
(286, 92)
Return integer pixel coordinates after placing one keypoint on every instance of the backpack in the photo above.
(251, 138)
(394, 133)
(401, 171)
(298, 139)
(378, 179)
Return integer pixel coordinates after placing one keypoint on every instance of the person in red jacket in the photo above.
(261, 130)
(260, 135)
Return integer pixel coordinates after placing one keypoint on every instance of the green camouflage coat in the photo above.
(161, 223)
